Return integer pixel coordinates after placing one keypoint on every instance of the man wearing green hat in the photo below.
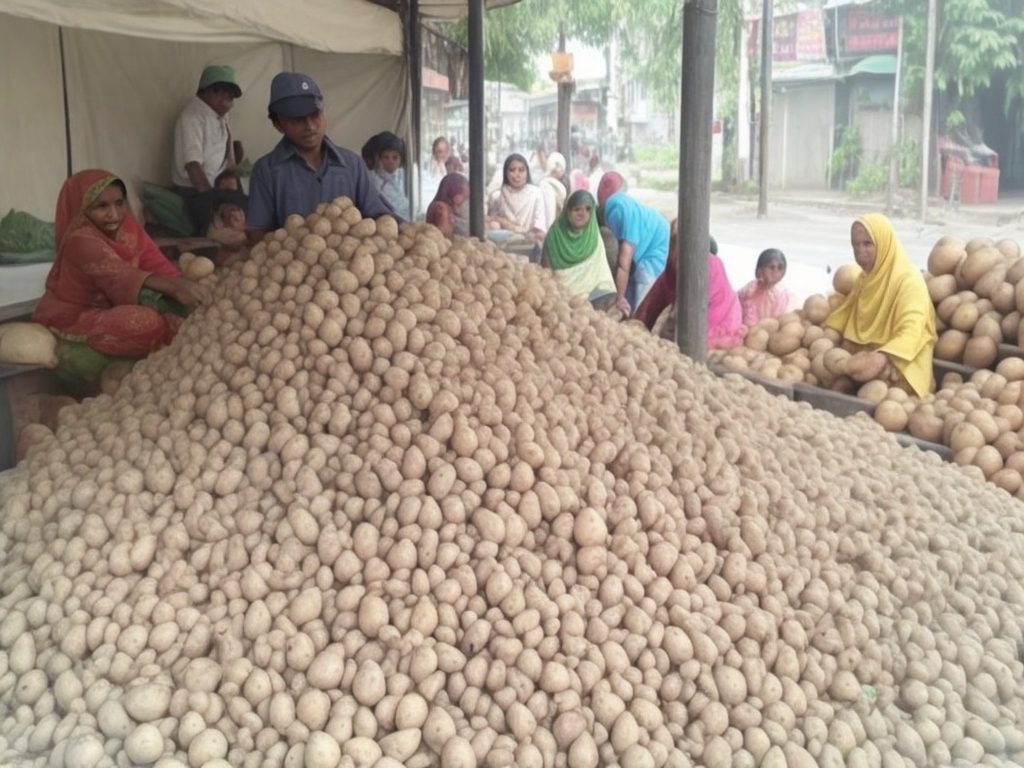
(203, 147)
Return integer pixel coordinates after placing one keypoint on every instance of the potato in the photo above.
(875, 390)
(757, 339)
(965, 435)
(1010, 326)
(990, 281)
(816, 309)
(845, 277)
(1011, 368)
(941, 286)
(891, 415)
(977, 243)
(977, 264)
(925, 425)
(988, 460)
(1004, 298)
(951, 345)
(946, 255)
(980, 352)
(944, 311)
(787, 339)
(989, 325)
(964, 317)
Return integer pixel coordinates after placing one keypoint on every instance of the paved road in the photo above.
(816, 237)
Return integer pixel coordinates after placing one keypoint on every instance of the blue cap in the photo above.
(293, 94)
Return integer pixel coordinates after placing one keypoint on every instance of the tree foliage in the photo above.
(976, 41)
(649, 32)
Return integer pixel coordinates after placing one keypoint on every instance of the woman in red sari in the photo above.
(104, 262)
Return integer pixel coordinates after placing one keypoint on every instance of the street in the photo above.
(816, 236)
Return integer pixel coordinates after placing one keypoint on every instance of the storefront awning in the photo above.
(881, 64)
(795, 72)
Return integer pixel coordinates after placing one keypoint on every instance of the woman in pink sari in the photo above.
(104, 262)
(725, 315)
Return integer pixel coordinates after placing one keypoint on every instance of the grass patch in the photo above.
(661, 185)
(657, 158)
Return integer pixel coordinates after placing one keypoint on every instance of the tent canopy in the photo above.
(100, 83)
(331, 26)
(444, 9)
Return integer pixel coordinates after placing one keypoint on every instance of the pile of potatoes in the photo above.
(978, 292)
(797, 347)
(390, 500)
(980, 419)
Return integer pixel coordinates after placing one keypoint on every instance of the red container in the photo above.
(988, 185)
(970, 185)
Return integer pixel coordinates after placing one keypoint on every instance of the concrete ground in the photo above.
(813, 229)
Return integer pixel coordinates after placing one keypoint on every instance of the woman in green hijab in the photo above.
(574, 249)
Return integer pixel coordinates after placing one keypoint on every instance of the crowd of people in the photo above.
(111, 295)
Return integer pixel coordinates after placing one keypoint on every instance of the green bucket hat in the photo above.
(219, 74)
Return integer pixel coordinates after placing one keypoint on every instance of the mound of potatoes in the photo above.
(391, 501)
(978, 304)
(974, 287)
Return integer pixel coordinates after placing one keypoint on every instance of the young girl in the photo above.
(764, 297)
(519, 204)
(389, 173)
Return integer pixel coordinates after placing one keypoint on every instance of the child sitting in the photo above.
(389, 174)
(764, 297)
(227, 226)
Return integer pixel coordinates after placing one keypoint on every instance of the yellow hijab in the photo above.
(890, 307)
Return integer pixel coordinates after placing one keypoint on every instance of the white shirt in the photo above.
(200, 136)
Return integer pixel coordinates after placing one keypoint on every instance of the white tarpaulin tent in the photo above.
(100, 83)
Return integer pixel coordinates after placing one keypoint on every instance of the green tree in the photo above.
(976, 41)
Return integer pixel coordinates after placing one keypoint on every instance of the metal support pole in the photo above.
(894, 160)
(767, 24)
(700, 19)
(926, 116)
(414, 56)
(477, 180)
(564, 106)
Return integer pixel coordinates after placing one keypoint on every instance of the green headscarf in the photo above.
(567, 247)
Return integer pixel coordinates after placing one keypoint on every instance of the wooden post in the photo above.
(477, 169)
(767, 24)
(926, 116)
(894, 160)
(700, 19)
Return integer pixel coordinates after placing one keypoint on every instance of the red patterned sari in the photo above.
(92, 291)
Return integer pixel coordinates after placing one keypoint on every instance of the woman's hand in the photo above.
(622, 304)
(178, 288)
(865, 366)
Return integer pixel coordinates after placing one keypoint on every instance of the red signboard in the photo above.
(795, 37)
(863, 32)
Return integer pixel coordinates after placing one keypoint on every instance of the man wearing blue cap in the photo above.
(305, 168)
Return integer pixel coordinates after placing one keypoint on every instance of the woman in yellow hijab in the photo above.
(888, 311)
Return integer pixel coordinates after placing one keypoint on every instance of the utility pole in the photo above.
(894, 160)
(477, 182)
(700, 20)
(564, 79)
(767, 24)
(926, 117)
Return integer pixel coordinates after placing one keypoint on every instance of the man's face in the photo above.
(219, 99)
(390, 160)
(306, 133)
